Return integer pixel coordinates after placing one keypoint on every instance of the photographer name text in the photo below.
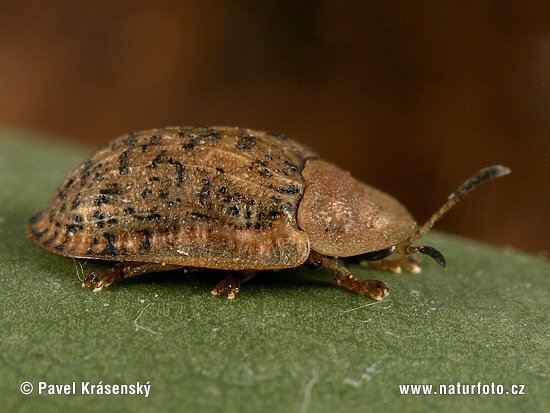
(86, 388)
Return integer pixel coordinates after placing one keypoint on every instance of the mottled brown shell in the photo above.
(217, 197)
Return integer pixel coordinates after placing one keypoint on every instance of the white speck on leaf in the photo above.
(367, 375)
(415, 294)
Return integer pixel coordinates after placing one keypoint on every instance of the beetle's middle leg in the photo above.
(377, 289)
(98, 280)
(230, 285)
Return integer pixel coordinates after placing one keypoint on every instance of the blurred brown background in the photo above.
(410, 96)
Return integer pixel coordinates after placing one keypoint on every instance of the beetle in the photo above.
(230, 199)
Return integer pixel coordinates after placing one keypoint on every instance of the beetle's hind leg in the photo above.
(407, 263)
(98, 280)
(377, 289)
(230, 285)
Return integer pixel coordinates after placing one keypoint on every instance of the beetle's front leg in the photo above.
(377, 289)
(230, 285)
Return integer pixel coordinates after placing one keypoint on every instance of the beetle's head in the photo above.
(485, 174)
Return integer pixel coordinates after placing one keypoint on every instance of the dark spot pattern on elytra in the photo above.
(204, 193)
(75, 226)
(130, 140)
(129, 210)
(222, 178)
(99, 219)
(86, 171)
(180, 170)
(39, 234)
(291, 166)
(153, 215)
(50, 240)
(75, 203)
(155, 162)
(93, 243)
(266, 173)
(101, 199)
(123, 162)
(291, 189)
(155, 140)
(65, 188)
(246, 143)
(62, 246)
(274, 214)
(200, 216)
(111, 189)
(110, 248)
(146, 192)
(145, 243)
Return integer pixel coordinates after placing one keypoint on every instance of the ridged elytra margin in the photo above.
(232, 199)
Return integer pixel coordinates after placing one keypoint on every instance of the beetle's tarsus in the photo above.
(376, 289)
(99, 279)
(408, 263)
(230, 285)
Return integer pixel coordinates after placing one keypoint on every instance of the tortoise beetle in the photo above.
(231, 199)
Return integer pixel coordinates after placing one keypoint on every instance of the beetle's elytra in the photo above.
(232, 199)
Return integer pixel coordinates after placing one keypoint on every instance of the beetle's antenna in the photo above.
(485, 174)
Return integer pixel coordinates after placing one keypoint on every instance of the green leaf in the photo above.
(290, 341)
